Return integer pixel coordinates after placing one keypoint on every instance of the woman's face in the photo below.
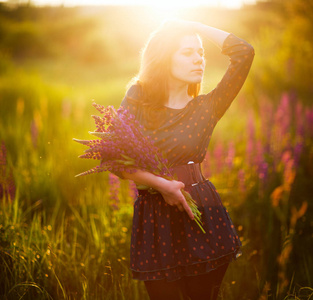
(188, 61)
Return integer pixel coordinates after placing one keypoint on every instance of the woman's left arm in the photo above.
(215, 35)
(241, 55)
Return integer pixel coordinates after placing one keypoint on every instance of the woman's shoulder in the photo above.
(134, 92)
(132, 97)
(204, 97)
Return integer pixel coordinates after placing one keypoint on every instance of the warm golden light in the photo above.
(165, 5)
(160, 10)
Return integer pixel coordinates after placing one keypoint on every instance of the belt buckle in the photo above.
(193, 173)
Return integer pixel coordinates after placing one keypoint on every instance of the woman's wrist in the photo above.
(161, 184)
(217, 36)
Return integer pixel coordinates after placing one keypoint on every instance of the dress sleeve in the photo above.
(130, 101)
(241, 56)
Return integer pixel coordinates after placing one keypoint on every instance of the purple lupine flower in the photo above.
(263, 171)
(123, 147)
(282, 121)
(297, 152)
(133, 192)
(218, 153)
(284, 114)
(250, 139)
(230, 154)
(259, 154)
(242, 180)
(266, 115)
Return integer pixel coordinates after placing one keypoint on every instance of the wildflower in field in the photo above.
(250, 139)
(133, 190)
(230, 154)
(123, 147)
(219, 156)
(241, 178)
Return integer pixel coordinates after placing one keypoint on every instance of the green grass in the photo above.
(68, 238)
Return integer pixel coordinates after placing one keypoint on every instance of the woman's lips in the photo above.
(199, 71)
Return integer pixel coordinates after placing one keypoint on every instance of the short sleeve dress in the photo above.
(165, 243)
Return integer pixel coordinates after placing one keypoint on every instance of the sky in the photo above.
(157, 3)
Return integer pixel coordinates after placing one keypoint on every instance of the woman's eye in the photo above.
(187, 53)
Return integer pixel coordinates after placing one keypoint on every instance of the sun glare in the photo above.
(168, 7)
(159, 10)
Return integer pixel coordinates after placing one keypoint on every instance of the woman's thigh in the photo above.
(165, 290)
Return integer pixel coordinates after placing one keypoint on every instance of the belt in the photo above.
(189, 174)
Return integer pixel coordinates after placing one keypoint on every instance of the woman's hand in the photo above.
(171, 192)
(217, 36)
(169, 189)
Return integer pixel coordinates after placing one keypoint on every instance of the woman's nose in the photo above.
(198, 60)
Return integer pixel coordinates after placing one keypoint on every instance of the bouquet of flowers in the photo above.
(121, 146)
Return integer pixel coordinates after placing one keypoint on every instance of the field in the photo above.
(63, 237)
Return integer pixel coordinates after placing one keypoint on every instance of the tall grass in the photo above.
(66, 238)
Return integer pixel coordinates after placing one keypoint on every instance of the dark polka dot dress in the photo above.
(165, 243)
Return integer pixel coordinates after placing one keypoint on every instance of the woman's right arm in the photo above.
(169, 189)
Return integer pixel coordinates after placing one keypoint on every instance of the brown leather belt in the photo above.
(189, 174)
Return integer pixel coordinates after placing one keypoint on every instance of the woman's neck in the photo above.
(178, 95)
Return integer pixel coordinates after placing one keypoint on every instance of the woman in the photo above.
(169, 252)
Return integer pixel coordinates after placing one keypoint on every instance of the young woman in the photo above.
(169, 252)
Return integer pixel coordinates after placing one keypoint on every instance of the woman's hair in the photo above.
(155, 70)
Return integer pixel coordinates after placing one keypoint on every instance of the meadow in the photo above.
(63, 237)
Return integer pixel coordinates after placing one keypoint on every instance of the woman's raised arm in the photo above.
(215, 35)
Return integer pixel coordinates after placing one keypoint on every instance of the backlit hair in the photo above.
(155, 70)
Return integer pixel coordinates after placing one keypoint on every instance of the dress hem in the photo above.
(193, 269)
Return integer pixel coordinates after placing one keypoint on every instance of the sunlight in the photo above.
(159, 10)
(166, 10)
(167, 7)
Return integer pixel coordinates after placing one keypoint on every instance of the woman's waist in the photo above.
(190, 174)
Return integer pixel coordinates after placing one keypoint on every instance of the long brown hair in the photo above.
(155, 70)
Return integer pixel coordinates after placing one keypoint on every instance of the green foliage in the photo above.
(67, 238)
(80, 254)
(284, 48)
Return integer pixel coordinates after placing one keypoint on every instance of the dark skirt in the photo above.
(166, 244)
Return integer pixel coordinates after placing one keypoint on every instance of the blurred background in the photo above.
(68, 238)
